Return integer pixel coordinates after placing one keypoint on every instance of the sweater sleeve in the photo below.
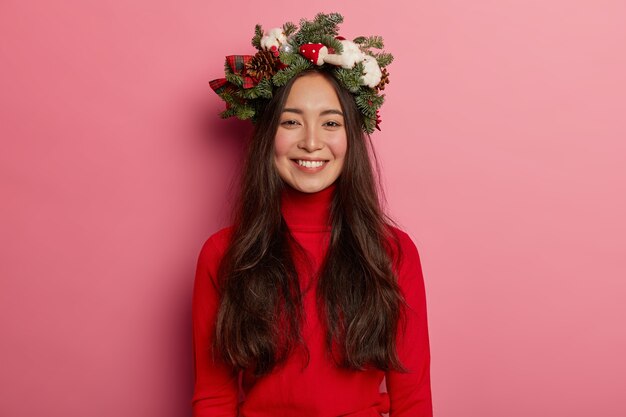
(215, 385)
(410, 393)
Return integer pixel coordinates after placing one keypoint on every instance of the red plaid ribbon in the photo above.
(219, 85)
(237, 64)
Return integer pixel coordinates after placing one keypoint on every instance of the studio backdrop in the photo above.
(502, 148)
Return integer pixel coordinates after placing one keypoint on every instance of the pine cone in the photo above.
(384, 80)
(263, 65)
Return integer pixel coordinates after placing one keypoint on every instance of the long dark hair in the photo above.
(358, 298)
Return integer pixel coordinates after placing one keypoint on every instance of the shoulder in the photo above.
(214, 247)
(405, 254)
(404, 243)
(218, 240)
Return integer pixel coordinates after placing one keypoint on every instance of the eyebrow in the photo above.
(323, 113)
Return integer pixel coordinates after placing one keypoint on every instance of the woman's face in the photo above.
(311, 141)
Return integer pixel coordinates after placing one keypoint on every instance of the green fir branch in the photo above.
(369, 124)
(262, 90)
(331, 42)
(244, 112)
(350, 78)
(368, 101)
(370, 42)
(288, 58)
(258, 34)
(234, 79)
(229, 98)
(364, 106)
(383, 59)
(322, 25)
(329, 22)
(283, 76)
(289, 28)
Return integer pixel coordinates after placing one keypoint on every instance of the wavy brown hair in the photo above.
(358, 298)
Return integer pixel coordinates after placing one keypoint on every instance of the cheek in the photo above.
(281, 150)
(339, 147)
(281, 144)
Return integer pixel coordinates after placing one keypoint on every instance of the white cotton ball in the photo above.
(350, 55)
(372, 74)
(267, 43)
(274, 37)
(350, 47)
(279, 35)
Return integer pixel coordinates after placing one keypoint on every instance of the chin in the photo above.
(310, 188)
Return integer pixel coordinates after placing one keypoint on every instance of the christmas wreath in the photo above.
(284, 52)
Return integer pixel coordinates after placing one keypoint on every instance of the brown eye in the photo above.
(332, 124)
(289, 123)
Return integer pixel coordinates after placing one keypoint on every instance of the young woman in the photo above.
(311, 297)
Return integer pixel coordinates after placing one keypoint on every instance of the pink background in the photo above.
(504, 155)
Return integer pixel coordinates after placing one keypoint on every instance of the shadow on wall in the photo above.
(221, 144)
(224, 143)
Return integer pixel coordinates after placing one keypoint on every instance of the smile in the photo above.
(310, 164)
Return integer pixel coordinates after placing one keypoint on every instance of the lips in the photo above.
(310, 165)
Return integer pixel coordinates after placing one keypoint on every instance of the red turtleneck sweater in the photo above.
(321, 389)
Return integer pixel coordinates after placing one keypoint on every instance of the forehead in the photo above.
(313, 91)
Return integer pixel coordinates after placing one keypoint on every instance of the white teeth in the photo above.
(310, 164)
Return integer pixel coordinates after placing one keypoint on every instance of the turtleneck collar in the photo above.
(307, 211)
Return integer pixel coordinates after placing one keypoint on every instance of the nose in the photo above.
(312, 140)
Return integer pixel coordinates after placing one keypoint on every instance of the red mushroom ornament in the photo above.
(314, 52)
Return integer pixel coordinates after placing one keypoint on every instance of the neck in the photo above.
(307, 211)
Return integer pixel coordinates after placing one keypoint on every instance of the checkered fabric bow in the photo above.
(237, 64)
